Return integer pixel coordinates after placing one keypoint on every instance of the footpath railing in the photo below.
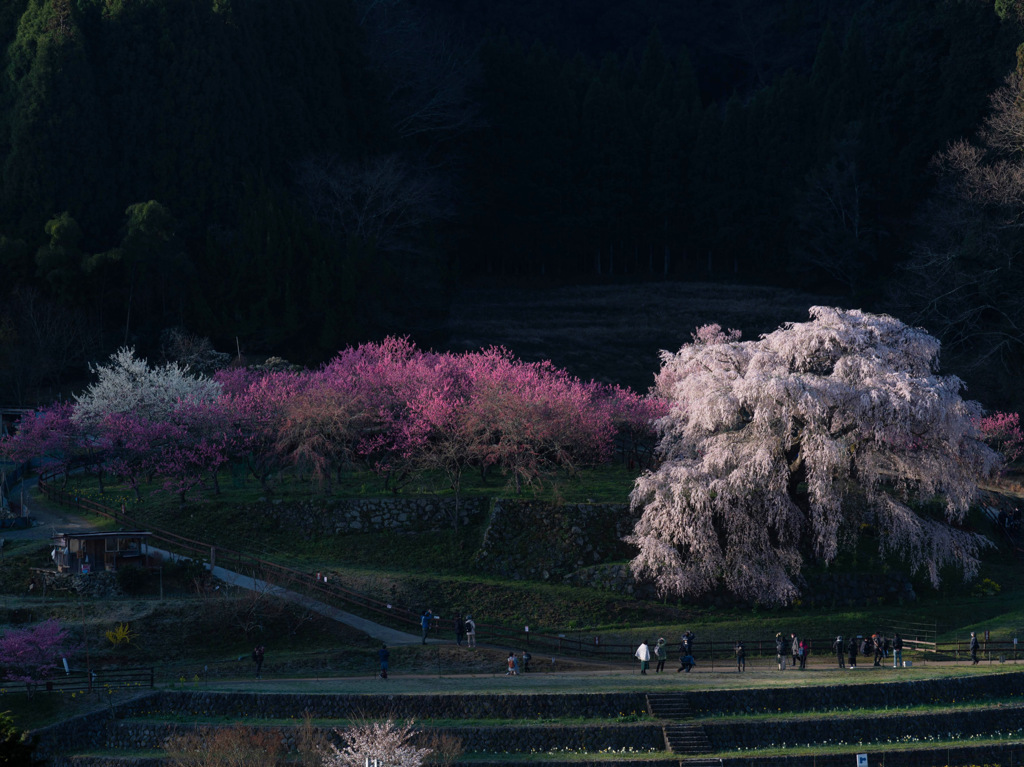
(579, 643)
(97, 680)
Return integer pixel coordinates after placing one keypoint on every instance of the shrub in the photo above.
(133, 579)
(986, 587)
(231, 747)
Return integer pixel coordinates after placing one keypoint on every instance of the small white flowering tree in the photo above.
(777, 450)
(129, 385)
(385, 743)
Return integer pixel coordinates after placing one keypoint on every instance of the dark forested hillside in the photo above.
(294, 177)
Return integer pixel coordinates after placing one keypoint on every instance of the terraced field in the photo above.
(940, 719)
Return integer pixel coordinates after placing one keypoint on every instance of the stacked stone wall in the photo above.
(338, 516)
(536, 540)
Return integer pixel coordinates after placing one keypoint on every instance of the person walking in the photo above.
(879, 644)
(511, 662)
(794, 649)
(643, 652)
(974, 649)
(780, 651)
(384, 654)
(852, 652)
(741, 656)
(460, 629)
(839, 649)
(526, 660)
(661, 654)
(425, 623)
(897, 651)
(805, 646)
(470, 631)
(257, 656)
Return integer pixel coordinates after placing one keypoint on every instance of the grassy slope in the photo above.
(432, 569)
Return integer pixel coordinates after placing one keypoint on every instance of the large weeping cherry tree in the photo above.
(776, 450)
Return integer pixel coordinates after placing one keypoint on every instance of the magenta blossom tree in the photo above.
(48, 434)
(776, 450)
(1002, 431)
(33, 654)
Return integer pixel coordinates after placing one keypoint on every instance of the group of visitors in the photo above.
(465, 628)
(518, 663)
(686, 661)
(877, 645)
(796, 648)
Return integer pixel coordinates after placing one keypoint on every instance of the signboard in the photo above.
(862, 760)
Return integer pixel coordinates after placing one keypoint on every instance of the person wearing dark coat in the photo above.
(974, 649)
(839, 648)
(851, 653)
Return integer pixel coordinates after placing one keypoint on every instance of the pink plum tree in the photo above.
(775, 450)
(1002, 431)
(33, 654)
(49, 434)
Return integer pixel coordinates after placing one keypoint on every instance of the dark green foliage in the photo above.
(16, 747)
(107, 105)
(133, 580)
(154, 154)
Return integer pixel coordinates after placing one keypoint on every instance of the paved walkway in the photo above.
(51, 518)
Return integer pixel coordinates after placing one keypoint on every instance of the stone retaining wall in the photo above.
(892, 728)
(81, 733)
(335, 516)
(844, 697)
(929, 757)
(285, 706)
(140, 735)
(543, 541)
(99, 730)
(967, 755)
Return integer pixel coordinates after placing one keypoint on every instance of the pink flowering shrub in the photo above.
(389, 406)
(1002, 431)
(33, 654)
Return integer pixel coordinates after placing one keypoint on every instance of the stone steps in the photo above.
(687, 739)
(668, 705)
(681, 736)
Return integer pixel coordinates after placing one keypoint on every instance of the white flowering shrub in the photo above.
(383, 743)
(128, 384)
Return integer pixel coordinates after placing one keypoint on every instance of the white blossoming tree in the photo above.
(383, 743)
(775, 451)
(129, 385)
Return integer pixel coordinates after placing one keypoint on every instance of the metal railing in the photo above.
(97, 680)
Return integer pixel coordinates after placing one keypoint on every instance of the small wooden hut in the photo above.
(93, 552)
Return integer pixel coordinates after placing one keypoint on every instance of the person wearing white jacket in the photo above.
(643, 652)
